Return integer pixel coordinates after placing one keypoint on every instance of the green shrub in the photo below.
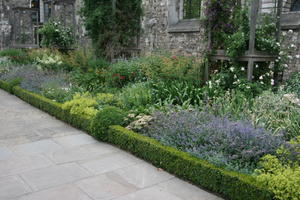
(136, 96)
(11, 52)
(82, 105)
(281, 173)
(277, 113)
(177, 92)
(293, 84)
(233, 104)
(106, 117)
(107, 99)
(123, 72)
(89, 81)
(16, 55)
(164, 66)
(56, 35)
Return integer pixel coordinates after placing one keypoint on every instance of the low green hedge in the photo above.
(51, 107)
(6, 86)
(230, 185)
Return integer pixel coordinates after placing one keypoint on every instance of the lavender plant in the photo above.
(234, 145)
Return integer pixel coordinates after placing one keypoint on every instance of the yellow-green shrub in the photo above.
(281, 173)
(107, 99)
(82, 104)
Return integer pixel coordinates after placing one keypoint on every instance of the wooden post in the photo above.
(278, 17)
(253, 20)
(278, 34)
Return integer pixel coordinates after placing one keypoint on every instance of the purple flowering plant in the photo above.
(233, 145)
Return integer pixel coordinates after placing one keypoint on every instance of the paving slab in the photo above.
(104, 188)
(54, 176)
(42, 158)
(74, 140)
(84, 152)
(141, 175)
(5, 153)
(38, 147)
(110, 162)
(65, 192)
(12, 187)
(19, 164)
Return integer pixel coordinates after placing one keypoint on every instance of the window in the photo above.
(191, 9)
(47, 10)
(35, 4)
(296, 6)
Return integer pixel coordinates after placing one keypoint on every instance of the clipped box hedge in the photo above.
(6, 86)
(230, 185)
(51, 107)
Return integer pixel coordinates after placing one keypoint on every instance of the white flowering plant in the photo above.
(56, 35)
(233, 76)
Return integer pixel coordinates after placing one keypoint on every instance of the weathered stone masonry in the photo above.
(163, 26)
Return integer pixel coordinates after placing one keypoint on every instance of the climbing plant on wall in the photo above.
(112, 24)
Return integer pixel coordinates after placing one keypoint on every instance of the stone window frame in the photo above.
(176, 23)
(290, 19)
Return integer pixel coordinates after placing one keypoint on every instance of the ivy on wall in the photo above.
(112, 24)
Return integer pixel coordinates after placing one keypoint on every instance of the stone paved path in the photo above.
(42, 158)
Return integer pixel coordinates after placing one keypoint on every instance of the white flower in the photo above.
(278, 44)
(256, 66)
(297, 56)
(231, 69)
(235, 76)
(243, 68)
(290, 57)
(248, 87)
(286, 65)
(261, 78)
(261, 82)
(272, 82)
(291, 31)
(293, 46)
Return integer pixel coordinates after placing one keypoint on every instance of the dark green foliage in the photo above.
(293, 84)
(56, 35)
(123, 72)
(16, 55)
(8, 86)
(112, 27)
(177, 92)
(230, 185)
(106, 117)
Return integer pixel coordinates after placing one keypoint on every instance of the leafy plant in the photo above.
(82, 105)
(277, 113)
(280, 173)
(165, 66)
(136, 96)
(123, 72)
(121, 21)
(56, 35)
(106, 117)
(293, 84)
(234, 145)
(177, 92)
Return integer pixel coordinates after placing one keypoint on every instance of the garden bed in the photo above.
(230, 185)
(236, 138)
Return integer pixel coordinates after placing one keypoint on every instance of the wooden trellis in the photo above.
(252, 55)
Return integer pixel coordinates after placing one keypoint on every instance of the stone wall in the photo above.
(164, 30)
